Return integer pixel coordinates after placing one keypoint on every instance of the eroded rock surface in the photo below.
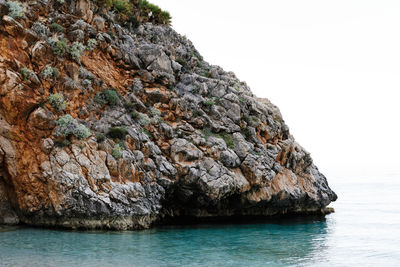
(180, 138)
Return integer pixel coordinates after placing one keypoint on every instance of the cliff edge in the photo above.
(110, 119)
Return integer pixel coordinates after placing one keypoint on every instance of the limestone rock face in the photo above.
(155, 133)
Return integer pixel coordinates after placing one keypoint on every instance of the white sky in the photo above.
(332, 67)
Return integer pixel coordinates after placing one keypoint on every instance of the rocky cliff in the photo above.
(110, 119)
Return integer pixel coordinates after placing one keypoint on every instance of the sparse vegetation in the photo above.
(60, 47)
(55, 27)
(117, 151)
(67, 125)
(122, 6)
(57, 102)
(109, 97)
(81, 132)
(155, 112)
(50, 73)
(40, 29)
(146, 132)
(197, 113)
(136, 11)
(207, 74)
(100, 138)
(207, 133)
(91, 44)
(181, 61)
(25, 73)
(228, 138)
(246, 132)
(129, 106)
(76, 51)
(157, 14)
(134, 115)
(62, 143)
(144, 120)
(209, 103)
(15, 9)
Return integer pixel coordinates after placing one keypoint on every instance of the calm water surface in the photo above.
(365, 231)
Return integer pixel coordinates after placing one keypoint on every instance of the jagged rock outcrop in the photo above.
(122, 127)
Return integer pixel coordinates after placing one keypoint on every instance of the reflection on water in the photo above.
(236, 244)
(365, 231)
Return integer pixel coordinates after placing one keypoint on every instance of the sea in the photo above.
(364, 231)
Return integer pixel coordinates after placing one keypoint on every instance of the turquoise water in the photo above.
(365, 231)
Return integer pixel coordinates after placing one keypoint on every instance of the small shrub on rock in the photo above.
(155, 112)
(134, 115)
(91, 44)
(144, 120)
(66, 126)
(57, 102)
(15, 9)
(62, 143)
(209, 103)
(81, 132)
(100, 138)
(109, 97)
(40, 29)
(228, 138)
(122, 6)
(25, 73)
(55, 27)
(117, 151)
(76, 51)
(160, 16)
(59, 47)
(50, 73)
(129, 106)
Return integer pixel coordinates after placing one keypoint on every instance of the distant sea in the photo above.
(364, 231)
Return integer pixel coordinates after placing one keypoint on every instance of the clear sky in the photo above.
(332, 67)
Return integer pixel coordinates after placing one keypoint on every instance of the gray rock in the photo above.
(182, 150)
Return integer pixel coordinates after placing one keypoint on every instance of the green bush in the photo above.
(122, 6)
(76, 51)
(62, 143)
(117, 132)
(228, 138)
(134, 115)
(25, 73)
(155, 112)
(81, 132)
(100, 138)
(207, 133)
(91, 44)
(59, 47)
(158, 15)
(50, 73)
(105, 3)
(15, 9)
(116, 151)
(146, 132)
(129, 106)
(40, 29)
(109, 97)
(67, 125)
(57, 102)
(55, 27)
(209, 103)
(144, 120)
(197, 113)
